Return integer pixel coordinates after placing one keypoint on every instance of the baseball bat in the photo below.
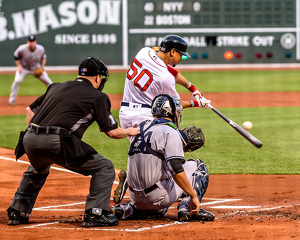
(238, 128)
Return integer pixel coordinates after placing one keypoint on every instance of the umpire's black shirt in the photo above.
(73, 105)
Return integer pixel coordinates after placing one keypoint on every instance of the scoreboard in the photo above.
(220, 31)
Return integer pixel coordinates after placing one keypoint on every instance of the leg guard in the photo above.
(200, 184)
(200, 179)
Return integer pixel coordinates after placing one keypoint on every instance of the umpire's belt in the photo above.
(44, 129)
(147, 190)
(126, 104)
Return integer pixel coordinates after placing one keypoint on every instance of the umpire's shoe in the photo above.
(122, 187)
(96, 217)
(15, 217)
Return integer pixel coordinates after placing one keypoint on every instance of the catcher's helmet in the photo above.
(164, 105)
(174, 42)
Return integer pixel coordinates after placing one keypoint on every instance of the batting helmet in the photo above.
(174, 42)
(164, 105)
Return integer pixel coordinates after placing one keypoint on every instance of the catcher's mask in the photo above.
(164, 105)
(170, 42)
(93, 67)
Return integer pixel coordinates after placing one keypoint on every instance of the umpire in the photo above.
(57, 121)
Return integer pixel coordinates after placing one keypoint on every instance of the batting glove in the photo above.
(196, 94)
(202, 102)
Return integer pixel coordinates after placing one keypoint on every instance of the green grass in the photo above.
(225, 151)
(210, 81)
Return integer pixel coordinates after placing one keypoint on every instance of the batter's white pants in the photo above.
(132, 116)
(19, 78)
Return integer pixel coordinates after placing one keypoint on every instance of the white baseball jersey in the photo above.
(28, 59)
(147, 77)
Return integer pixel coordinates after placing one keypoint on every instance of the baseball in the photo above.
(247, 125)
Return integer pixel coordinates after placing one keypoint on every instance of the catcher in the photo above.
(157, 173)
(30, 58)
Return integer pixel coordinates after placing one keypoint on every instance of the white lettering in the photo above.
(263, 41)
(47, 18)
(77, 39)
(149, 7)
(172, 6)
(72, 39)
(149, 20)
(67, 12)
(233, 41)
(150, 41)
(87, 12)
(3, 29)
(195, 41)
(104, 38)
(109, 12)
(26, 25)
(173, 20)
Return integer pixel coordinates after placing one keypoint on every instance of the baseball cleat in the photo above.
(117, 211)
(15, 217)
(98, 218)
(184, 216)
(203, 215)
(122, 187)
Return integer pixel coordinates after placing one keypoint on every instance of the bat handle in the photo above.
(210, 106)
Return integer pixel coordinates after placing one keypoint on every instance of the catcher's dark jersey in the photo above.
(73, 105)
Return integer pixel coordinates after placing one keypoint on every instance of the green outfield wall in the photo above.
(217, 31)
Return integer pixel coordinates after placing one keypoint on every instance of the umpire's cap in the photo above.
(92, 67)
(174, 42)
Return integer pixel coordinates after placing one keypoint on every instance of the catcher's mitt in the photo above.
(38, 72)
(195, 138)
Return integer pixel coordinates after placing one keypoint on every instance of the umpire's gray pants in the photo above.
(43, 151)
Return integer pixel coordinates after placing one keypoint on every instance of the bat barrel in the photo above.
(238, 128)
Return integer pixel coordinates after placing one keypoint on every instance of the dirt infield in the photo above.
(246, 206)
(226, 99)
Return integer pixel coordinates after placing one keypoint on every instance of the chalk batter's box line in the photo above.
(57, 207)
(214, 200)
(52, 167)
(145, 228)
(54, 208)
